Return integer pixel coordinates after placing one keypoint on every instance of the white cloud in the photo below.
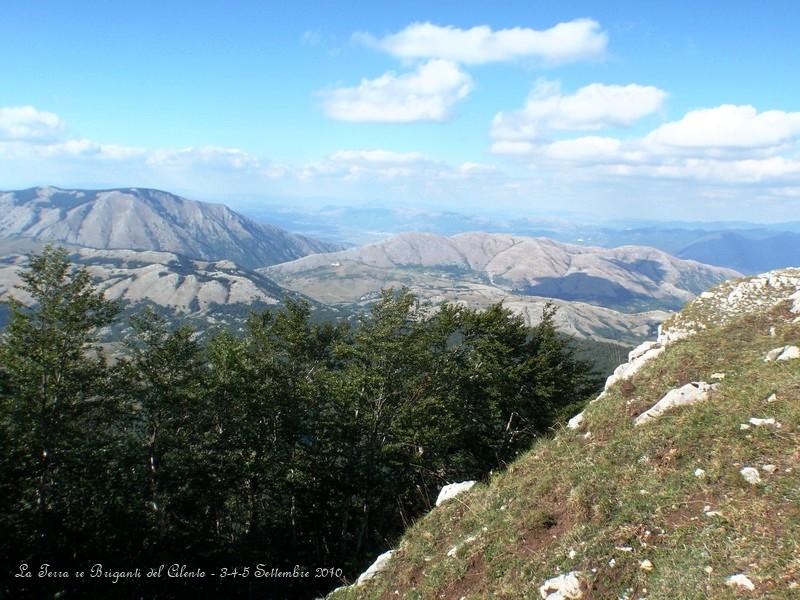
(589, 149)
(728, 127)
(593, 107)
(425, 94)
(214, 157)
(774, 170)
(376, 156)
(564, 42)
(388, 165)
(26, 123)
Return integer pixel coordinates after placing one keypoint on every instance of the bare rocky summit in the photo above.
(145, 219)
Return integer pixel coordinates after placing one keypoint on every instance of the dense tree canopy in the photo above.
(292, 444)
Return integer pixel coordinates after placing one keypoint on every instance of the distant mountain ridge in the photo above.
(628, 278)
(745, 247)
(146, 219)
(746, 254)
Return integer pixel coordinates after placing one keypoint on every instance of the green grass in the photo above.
(635, 488)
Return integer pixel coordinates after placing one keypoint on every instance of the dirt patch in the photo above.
(627, 389)
(473, 581)
(555, 521)
(681, 513)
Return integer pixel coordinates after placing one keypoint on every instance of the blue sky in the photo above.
(643, 109)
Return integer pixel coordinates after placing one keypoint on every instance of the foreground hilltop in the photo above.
(145, 219)
(682, 480)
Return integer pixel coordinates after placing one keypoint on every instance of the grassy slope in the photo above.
(636, 488)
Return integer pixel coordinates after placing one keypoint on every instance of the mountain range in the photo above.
(145, 219)
(628, 278)
(745, 247)
(208, 264)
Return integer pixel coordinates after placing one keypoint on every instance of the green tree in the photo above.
(53, 382)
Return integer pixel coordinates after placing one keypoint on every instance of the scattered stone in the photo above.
(769, 469)
(772, 331)
(744, 426)
(782, 353)
(690, 393)
(759, 422)
(624, 548)
(646, 565)
(718, 376)
(751, 475)
(564, 587)
(740, 581)
(572, 553)
(454, 550)
(699, 473)
(709, 570)
(772, 398)
(612, 563)
(452, 490)
(587, 435)
(378, 566)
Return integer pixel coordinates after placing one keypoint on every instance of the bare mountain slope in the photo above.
(203, 292)
(627, 278)
(143, 219)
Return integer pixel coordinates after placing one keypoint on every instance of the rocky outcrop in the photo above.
(731, 299)
(378, 566)
(691, 393)
(637, 358)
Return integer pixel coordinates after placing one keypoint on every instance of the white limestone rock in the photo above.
(782, 353)
(690, 393)
(452, 490)
(761, 422)
(378, 566)
(640, 357)
(454, 550)
(751, 475)
(564, 587)
(740, 581)
(576, 421)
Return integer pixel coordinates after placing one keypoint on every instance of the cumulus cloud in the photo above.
(426, 94)
(725, 145)
(565, 42)
(593, 107)
(26, 123)
(728, 127)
